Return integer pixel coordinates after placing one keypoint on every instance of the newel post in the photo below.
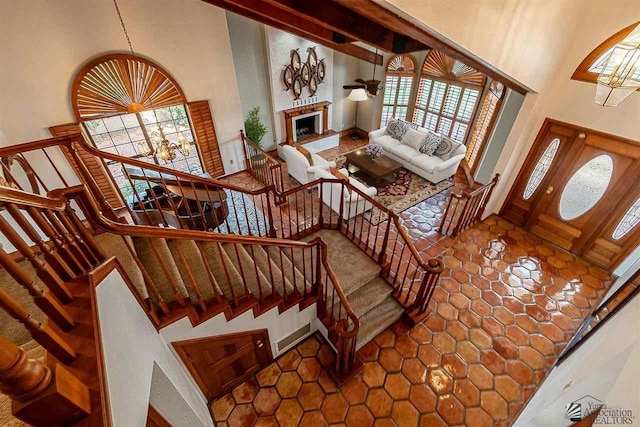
(418, 310)
(41, 396)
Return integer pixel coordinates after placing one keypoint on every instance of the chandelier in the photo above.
(620, 76)
(161, 148)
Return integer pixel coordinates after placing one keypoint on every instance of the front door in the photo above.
(219, 364)
(576, 188)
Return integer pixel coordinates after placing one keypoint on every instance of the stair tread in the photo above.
(292, 273)
(193, 268)
(368, 296)
(256, 281)
(352, 267)
(146, 248)
(271, 269)
(378, 319)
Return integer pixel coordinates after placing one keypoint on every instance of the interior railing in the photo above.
(373, 228)
(262, 166)
(466, 208)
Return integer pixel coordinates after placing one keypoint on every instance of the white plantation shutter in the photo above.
(398, 88)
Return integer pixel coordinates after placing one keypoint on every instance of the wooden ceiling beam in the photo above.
(388, 15)
(275, 17)
(340, 19)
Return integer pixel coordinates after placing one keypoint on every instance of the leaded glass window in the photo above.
(628, 222)
(541, 168)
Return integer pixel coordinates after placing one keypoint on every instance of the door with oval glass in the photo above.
(575, 184)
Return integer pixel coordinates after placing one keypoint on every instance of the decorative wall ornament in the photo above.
(297, 75)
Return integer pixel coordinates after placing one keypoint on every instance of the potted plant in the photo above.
(255, 131)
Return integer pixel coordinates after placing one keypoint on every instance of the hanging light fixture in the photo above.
(160, 146)
(620, 76)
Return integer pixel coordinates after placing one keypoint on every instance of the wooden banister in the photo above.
(41, 396)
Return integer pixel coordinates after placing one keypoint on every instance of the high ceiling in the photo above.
(341, 24)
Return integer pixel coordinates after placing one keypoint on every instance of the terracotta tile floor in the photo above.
(506, 306)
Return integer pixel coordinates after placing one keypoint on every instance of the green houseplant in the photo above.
(253, 126)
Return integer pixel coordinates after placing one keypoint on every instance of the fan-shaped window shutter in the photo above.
(93, 164)
(205, 133)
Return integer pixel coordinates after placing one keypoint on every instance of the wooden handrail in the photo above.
(26, 199)
(267, 155)
(92, 214)
(425, 265)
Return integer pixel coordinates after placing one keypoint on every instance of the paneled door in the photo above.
(576, 188)
(220, 363)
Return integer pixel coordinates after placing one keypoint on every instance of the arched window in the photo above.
(397, 88)
(447, 96)
(486, 117)
(593, 64)
(123, 101)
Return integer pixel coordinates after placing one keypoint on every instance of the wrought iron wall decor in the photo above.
(297, 75)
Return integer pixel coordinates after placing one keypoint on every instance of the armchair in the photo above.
(299, 167)
(353, 204)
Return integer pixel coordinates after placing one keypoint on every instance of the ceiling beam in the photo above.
(338, 18)
(388, 15)
(272, 16)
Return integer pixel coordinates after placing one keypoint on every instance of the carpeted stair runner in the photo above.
(359, 277)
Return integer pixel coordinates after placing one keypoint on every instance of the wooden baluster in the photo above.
(44, 271)
(61, 248)
(212, 280)
(49, 306)
(226, 273)
(41, 396)
(87, 237)
(257, 273)
(167, 274)
(77, 252)
(105, 206)
(64, 271)
(147, 278)
(92, 258)
(41, 333)
(194, 283)
(494, 182)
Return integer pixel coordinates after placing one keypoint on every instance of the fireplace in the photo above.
(306, 122)
(305, 126)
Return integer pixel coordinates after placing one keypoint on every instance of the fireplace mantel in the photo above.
(291, 113)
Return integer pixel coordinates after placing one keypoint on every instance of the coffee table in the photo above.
(380, 172)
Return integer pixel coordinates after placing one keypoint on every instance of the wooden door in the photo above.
(575, 189)
(219, 364)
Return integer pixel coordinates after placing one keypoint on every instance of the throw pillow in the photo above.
(446, 148)
(397, 128)
(413, 139)
(431, 143)
(306, 153)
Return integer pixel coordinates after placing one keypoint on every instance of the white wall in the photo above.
(278, 325)
(250, 60)
(345, 70)
(605, 367)
(131, 347)
(45, 43)
(279, 46)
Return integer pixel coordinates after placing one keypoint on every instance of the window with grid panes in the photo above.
(445, 107)
(123, 134)
(397, 88)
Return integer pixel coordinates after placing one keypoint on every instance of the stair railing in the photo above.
(372, 227)
(261, 165)
(75, 249)
(466, 208)
(152, 194)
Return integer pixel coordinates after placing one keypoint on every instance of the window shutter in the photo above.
(205, 134)
(93, 164)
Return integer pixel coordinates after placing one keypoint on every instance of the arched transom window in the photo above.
(397, 88)
(122, 101)
(447, 96)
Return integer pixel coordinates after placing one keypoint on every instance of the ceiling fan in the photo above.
(372, 86)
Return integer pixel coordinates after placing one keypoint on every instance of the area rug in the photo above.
(407, 190)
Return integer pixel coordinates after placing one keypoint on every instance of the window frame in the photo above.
(582, 73)
(488, 96)
(449, 83)
(400, 74)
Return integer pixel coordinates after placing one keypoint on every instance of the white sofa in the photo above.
(431, 168)
(353, 203)
(299, 167)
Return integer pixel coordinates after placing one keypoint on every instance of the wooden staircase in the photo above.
(273, 249)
